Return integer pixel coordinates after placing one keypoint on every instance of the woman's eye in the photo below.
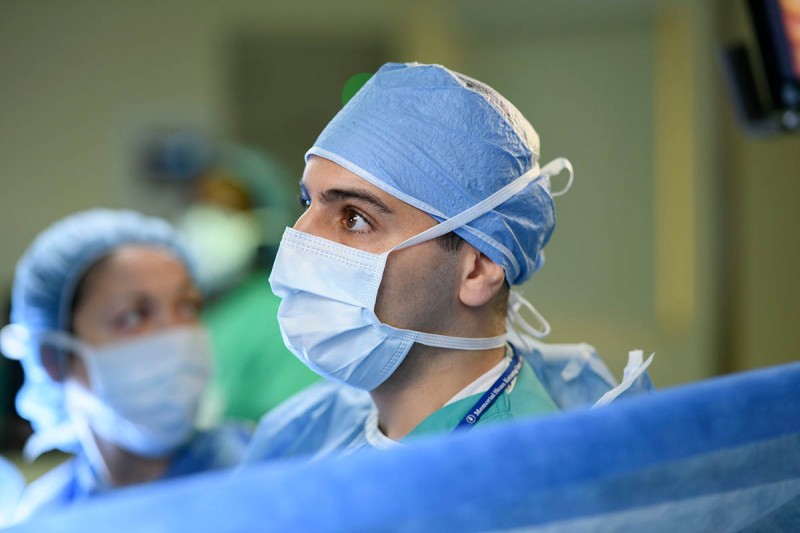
(130, 320)
(355, 221)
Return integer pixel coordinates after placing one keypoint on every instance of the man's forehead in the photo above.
(321, 170)
(322, 174)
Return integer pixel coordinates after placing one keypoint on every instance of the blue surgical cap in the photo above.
(442, 142)
(45, 281)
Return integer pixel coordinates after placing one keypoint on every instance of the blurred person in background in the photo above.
(14, 430)
(240, 204)
(105, 320)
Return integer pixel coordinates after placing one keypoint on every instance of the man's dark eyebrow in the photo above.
(339, 195)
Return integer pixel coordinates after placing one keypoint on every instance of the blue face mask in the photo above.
(328, 293)
(143, 392)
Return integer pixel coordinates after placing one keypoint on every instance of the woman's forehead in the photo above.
(138, 266)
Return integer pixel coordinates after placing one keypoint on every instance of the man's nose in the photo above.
(315, 221)
(304, 222)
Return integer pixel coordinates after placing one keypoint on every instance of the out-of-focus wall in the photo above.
(766, 329)
(619, 88)
(627, 89)
(83, 82)
(588, 90)
(764, 234)
(78, 83)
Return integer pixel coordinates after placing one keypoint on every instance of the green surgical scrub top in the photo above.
(527, 398)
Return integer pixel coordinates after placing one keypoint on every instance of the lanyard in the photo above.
(491, 395)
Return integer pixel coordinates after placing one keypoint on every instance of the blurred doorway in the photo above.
(286, 88)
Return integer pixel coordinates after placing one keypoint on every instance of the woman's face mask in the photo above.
(142, 393)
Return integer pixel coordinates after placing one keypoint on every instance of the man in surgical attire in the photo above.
(425, 204)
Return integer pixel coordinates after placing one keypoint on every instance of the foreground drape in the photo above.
(719, 455)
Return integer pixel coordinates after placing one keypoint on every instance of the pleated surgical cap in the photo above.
(442, 142)
(45, 281)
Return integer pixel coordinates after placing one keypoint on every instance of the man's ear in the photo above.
(481, 277)
(53, 362)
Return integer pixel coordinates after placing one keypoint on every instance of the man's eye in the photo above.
(355, 221)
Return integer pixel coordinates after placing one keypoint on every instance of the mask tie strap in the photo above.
(633, 370)
(65, 343)
(556, 167)
(62, 341)
(16, 340)
(515, 303)
(553, 168)
(52, 438)
(446, 341)
(90, 447)
(470, 214)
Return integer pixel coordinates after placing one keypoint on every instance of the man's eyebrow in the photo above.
(339, 195)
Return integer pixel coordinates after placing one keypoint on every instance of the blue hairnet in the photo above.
(442, 142)
(45, 281)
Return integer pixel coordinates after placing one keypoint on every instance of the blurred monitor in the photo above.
(777, 28)
(776, 24)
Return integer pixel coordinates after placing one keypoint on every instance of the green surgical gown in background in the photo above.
(254, 370)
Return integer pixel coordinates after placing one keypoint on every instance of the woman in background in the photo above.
(105, 321)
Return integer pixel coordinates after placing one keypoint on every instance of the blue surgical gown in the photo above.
(11, 486)
(75, 481)
(329, 417)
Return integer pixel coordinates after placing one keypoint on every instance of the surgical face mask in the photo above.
(143, 393)
(224, 240)
(328, 293)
